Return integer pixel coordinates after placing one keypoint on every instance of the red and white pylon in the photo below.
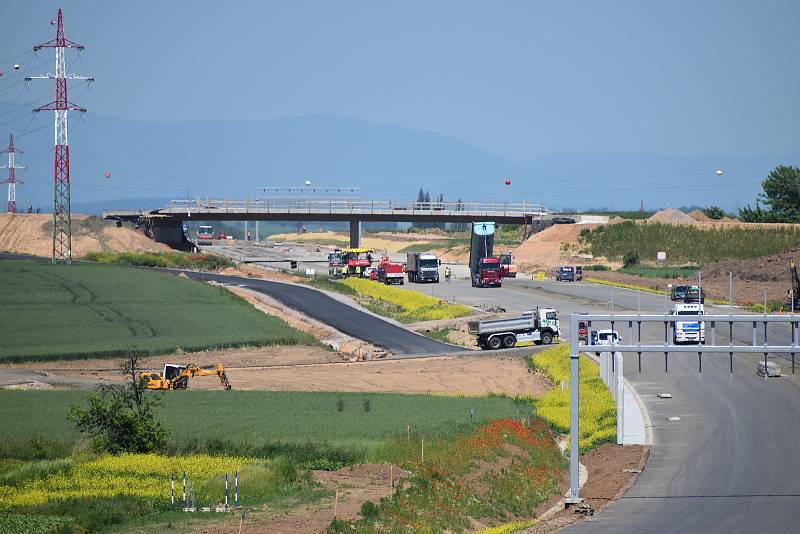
(62, 217)
(12, 178)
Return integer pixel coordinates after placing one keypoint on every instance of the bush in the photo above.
(714, 212)
(369, 510)
(630, 258)
(121, 418)
(598, 414)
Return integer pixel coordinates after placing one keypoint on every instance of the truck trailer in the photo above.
(538, 326)
(422, 267)
(483, 267)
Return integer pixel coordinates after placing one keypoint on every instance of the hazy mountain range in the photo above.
(151, 162)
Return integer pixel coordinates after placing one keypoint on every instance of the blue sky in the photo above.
(517, 78)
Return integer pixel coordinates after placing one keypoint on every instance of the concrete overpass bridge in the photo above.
(165, 224)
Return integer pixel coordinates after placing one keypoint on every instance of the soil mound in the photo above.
(27, 233)
(546, 249)
(698, 215)
(617, 220)
(671, 216)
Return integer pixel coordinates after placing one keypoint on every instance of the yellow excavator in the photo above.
(177, 376)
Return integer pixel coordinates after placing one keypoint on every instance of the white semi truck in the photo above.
(538, 326)
(688, 331)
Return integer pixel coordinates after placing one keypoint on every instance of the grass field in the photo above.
(689, 244)
(60, 311)
(661, 272)
(252, 418)
(180, 260)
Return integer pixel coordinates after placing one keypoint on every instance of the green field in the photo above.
(686, 244)
(74, 311)
(686, 271)
(250, 419)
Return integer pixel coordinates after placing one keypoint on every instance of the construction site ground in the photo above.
(310, 369)
(31, 233)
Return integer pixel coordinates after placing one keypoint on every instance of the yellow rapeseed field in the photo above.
(141, 475)
(598, 414)
(416, 306)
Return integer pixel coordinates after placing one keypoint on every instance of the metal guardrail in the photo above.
(665, 347)
(356, 207)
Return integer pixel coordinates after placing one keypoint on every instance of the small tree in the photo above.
(631, 258)
(121, 417)
(714, 212)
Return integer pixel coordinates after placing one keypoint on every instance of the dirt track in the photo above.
(315, 369)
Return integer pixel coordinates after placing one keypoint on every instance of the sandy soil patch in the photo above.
(25, 233)
(316, 369)
(553, 246)
(607, 481)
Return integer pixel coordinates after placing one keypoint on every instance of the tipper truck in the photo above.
(422, 267)
(538, 326)
(483, 267)
(389, 272)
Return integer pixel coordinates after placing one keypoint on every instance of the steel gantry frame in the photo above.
(666, 347)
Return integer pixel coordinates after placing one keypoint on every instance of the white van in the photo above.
(688, 331)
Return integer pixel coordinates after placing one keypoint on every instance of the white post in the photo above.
(574, 400)
(619, 389)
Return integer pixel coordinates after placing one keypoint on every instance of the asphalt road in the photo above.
(342, 317)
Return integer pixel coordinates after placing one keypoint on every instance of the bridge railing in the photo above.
(344, 206)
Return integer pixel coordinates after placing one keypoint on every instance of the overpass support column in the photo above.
(355, 233)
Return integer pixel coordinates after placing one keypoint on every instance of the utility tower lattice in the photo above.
(12, 178)
(62, 218)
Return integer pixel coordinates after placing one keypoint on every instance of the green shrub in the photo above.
(630, 258)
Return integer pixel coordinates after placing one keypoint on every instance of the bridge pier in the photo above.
(355, 233)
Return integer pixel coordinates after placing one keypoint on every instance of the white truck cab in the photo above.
(688, 331)
(605, 337)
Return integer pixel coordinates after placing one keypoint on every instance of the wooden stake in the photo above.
(391, 475)
(423, 450)
(336, 504)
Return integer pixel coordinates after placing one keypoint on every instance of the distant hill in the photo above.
(151, 162)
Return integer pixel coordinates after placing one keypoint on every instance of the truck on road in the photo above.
(538, 326)
(688, 331)
(484, 268)
(422, 267)
(565, 273)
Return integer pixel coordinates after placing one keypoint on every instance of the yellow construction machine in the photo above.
(177, 376)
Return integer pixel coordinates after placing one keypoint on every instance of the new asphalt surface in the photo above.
(342, 317)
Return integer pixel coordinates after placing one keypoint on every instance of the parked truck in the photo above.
(484, 268)
(422, 267)
(538, 326)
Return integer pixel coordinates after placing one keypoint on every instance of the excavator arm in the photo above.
(219, 370)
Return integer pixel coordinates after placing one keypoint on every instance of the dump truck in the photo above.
(537, 326)
(335, 263)
(422, 267)
(484, 268)
(389, 272)
(177, 376)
